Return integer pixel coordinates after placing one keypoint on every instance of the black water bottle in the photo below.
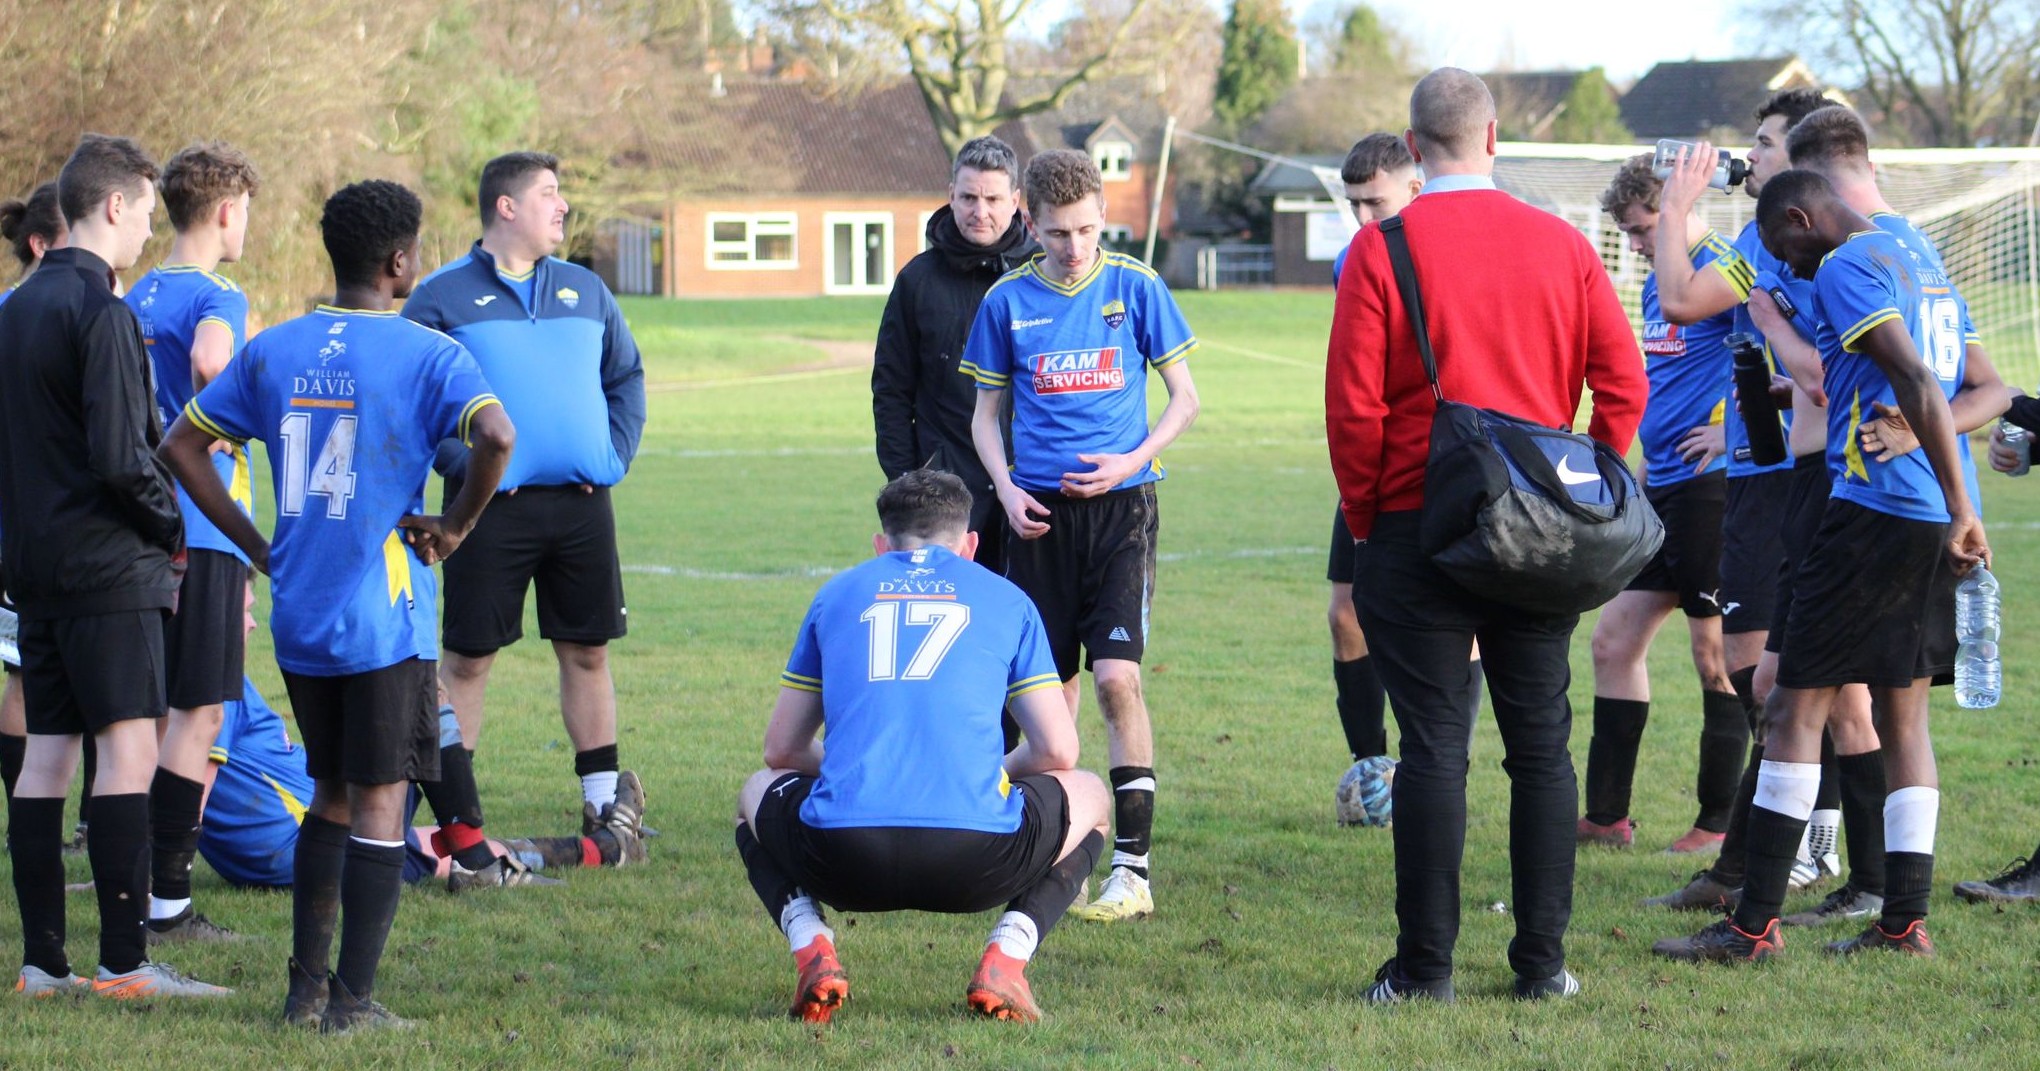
(1753, 393)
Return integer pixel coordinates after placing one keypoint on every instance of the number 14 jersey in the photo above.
(352, 406)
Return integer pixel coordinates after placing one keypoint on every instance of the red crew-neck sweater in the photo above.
(1521, 314)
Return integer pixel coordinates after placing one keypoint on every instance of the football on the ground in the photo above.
(1364, 796)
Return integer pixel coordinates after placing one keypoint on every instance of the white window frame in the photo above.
(857, 220)
(921, 231)
(787, 223)
(1114, 159)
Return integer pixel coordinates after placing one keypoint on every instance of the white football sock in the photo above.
(160, 909)
(599, 789)
(1788, 788)
(1015, 935)
(801, 921)
(1910, 815)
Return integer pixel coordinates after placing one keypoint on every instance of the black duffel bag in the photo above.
(1539, 518)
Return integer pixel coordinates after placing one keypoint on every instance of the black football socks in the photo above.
(1611, 757)
(35, 841)
(1363, 707)
(1724, 735)
(1133, 817)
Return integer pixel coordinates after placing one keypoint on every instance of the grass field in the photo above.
(756, 479)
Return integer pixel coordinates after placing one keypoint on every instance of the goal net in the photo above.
(1981, 207)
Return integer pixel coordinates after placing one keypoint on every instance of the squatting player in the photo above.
(1889, 333)
(1072, 334)
(352, 402)
(1685, 479)
(912, 803)
(193, 322)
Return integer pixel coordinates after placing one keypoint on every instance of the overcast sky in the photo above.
(1622, 36)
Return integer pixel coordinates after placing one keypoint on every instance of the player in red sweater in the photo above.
(1522, 316)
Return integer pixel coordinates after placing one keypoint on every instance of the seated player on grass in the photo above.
(260, 791)
(909, 660)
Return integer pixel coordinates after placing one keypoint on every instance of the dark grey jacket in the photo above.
(920, 404)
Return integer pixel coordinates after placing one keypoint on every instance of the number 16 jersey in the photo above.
(351, 406)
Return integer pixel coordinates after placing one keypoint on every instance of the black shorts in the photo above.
(1752, 551)
(1859, 600)
(374, 728)
(1689, 560)
(1339, 569)
(1092, 576)
(1937, 627)
(896, 868)
(560, 539)
(1805, 502)
(203, 642)
(82, 674)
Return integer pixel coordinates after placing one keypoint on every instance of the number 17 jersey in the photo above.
(351, 406)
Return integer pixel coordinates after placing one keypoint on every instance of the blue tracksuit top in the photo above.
(557, 352)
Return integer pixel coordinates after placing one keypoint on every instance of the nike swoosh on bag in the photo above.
(1570, 478)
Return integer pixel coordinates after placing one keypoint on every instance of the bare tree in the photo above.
(961, 55)
(1956, 72)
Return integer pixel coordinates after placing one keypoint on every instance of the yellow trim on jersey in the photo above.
(217, 755)
(1852, 451)
(1021, 272)
(475, 405)
(193, 269)
(1853, 235)
(1710, 240)
(214, 320)
(291, 806)
(397, 568)
(1972, 339)
(335, 310)
(1032, 684)
(205, 423)
(790, 679)
(1737, 272)
(1720, 408)
(242, 487)
(1068, 289)
(1005, 783)
(1128, 260)
(989, 379)
(1863, 326)
(518, 277)
(1180, 352)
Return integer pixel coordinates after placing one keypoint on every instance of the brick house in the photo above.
(835, 190)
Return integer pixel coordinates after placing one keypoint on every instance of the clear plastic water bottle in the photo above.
(2020, 440)
(1979, 677)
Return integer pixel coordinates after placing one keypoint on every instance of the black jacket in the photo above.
(920, 404)
(88, 516)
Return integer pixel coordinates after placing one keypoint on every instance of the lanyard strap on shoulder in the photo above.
(1412, 298)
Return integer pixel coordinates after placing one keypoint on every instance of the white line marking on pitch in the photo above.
(1261, 356)
(817, 572)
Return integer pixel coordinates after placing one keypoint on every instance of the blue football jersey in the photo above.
(1871, 279)
(171, 302)
(1901, 228)
(1076, 358)
(1749, 261)
(351, 406)
(915, 654)
(1688, 366)
(260, 794)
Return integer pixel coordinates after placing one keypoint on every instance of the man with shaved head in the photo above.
(1522, 315)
